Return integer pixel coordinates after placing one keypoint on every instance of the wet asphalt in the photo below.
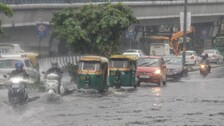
(194, 100)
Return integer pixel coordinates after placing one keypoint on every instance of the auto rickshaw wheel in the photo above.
(138, 83)
(117, 86)
(135, 86)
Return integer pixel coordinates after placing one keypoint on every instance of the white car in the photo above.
(7, 48)
(214, 56)
(7, 65)
(191, 57)
(134, 52)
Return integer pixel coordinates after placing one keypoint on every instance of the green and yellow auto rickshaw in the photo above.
(122, 70)
(93, 73)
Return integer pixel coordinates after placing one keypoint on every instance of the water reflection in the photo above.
(156, 91)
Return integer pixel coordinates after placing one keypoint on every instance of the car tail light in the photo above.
(192, 57)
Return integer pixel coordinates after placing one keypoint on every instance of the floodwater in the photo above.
(194, 100)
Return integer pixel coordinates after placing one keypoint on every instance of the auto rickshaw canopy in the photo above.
(94, 58)
(32, 56)
(123, 57)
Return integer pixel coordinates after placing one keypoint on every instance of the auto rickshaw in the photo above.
(122, 70)
(93, 73)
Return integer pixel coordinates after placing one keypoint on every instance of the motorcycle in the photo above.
(52, 84)
(17, 92)
(204, 69)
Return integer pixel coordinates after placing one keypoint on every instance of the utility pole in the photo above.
(184, 32)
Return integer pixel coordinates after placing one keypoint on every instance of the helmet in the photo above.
(54, 64)
(19, 65)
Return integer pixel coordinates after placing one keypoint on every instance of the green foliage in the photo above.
(72, 70)
(7, 11)
(93, 29)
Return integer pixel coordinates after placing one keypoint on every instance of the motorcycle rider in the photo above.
(19, 71)
(54, 69)
(205, 60)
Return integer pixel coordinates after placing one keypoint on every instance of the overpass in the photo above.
(148, 12)
(151, 12)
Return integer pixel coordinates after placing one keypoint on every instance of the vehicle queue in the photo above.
(97, 72)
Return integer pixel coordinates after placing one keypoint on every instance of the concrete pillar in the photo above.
(27, 38)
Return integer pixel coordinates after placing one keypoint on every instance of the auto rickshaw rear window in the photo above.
(86, 65)
(121, 63)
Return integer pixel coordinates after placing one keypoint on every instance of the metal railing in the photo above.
(63, 61)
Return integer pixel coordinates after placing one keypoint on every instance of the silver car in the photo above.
(7, 65)
(134, 52)
(191, 57)
(214, 56)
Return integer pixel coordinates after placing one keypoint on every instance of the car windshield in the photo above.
(131, 50)
(147, 62)
(173, 61)
(131, 54)
(8, 63)
(208, 51)
(187, 53)
(119, 64)
(94, 66)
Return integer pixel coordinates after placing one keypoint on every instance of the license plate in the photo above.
(15, 86)
(169, 73)
(143, 76)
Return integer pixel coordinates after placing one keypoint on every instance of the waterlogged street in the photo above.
(191, 101)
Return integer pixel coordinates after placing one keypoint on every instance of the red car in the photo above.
(151, 69)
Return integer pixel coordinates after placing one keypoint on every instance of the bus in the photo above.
(160, 46)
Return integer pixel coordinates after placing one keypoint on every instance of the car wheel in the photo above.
(164, 81)
(160, 82)
(217, 61)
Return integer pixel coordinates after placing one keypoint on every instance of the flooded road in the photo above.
(191, 101)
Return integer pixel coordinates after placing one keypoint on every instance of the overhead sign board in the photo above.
(41, 29)
(130, 33)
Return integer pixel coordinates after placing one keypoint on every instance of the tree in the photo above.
(7, 11)
(94, 29)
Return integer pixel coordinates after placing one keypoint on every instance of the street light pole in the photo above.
(184, 33)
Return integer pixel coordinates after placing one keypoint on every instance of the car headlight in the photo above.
(202, 66)
(16, 80)
(157, 72)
